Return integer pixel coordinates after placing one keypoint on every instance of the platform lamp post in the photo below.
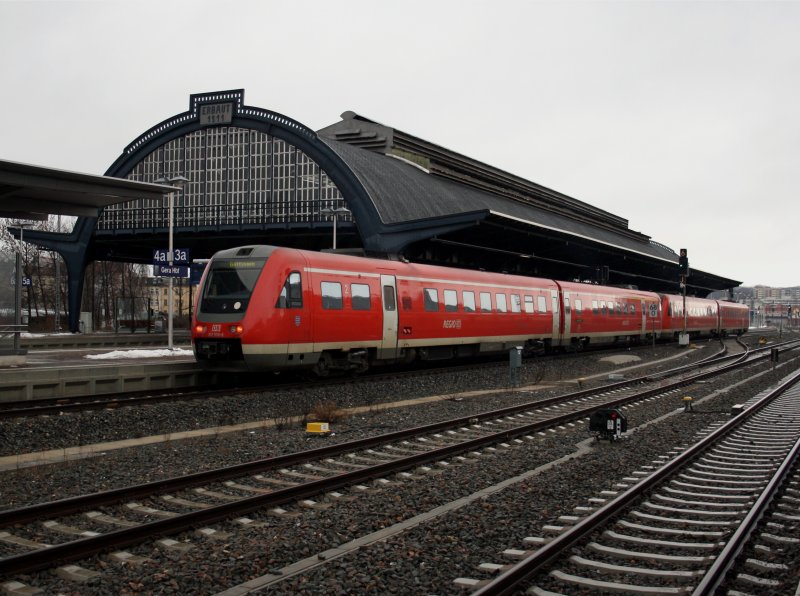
(18, 284)
(335, 213)
(178, 181)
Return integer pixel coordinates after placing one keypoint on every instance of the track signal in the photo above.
(683, 262)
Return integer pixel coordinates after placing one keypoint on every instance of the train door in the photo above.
(297, 322)
(388, 347)
(557, 336)
(643, 308)
(566, 311)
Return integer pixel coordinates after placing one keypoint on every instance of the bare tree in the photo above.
(107, 284)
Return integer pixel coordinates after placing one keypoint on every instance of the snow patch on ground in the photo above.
(621, 359)
(158, 353)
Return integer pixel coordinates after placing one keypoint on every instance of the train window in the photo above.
(331, 295)
(469, 301)
(431, 299)
(389, 301)
(542, 303)
(291, 293)
(450, 300)
(529, 304)
(632, 309)
(595, 308)
(566, 305)
(603, 307)
(578, 306)
(516, 303)
(486, 302)
(619, 309)
(360, 296)
(500, 301)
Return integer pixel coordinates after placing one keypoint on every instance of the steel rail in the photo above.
(87, 546)
(511, 581)
(716, 574)
(74, 504)
(58, 405)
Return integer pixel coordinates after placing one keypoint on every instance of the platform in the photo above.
(66, 365)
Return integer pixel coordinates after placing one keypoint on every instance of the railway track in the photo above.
(679, 527)
(156, 509)
(76, 404)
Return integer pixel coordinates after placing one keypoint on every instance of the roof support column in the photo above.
(74, 250)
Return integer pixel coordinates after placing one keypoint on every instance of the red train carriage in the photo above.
(263, 308)
(268, 308)
(453, 312)
(602, 315)
(734, 318)
(702, 317)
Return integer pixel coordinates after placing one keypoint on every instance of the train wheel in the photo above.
(323, 366)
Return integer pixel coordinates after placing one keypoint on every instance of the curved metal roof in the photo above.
(403, 192)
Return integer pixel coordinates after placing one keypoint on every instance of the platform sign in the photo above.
(173, 271)
(26, 281)
(180, 256)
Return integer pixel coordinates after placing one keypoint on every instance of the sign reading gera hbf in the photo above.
(167, 271)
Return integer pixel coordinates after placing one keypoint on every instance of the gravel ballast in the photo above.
(425, 559)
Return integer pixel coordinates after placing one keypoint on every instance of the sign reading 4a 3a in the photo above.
(180, 256)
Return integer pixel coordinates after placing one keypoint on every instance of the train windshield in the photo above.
(229, 284)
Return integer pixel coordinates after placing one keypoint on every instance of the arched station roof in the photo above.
(256, 176)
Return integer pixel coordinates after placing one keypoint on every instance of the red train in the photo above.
(268, 308)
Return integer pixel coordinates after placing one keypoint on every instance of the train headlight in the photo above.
(199, 329)
(236, 329)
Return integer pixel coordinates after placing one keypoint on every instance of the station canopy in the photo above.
(34, 192)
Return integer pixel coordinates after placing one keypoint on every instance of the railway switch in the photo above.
(608, 424)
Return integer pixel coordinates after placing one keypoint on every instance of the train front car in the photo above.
(222, 317)
(266, 308)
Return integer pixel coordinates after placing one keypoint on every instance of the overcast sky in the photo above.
(682, 117)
